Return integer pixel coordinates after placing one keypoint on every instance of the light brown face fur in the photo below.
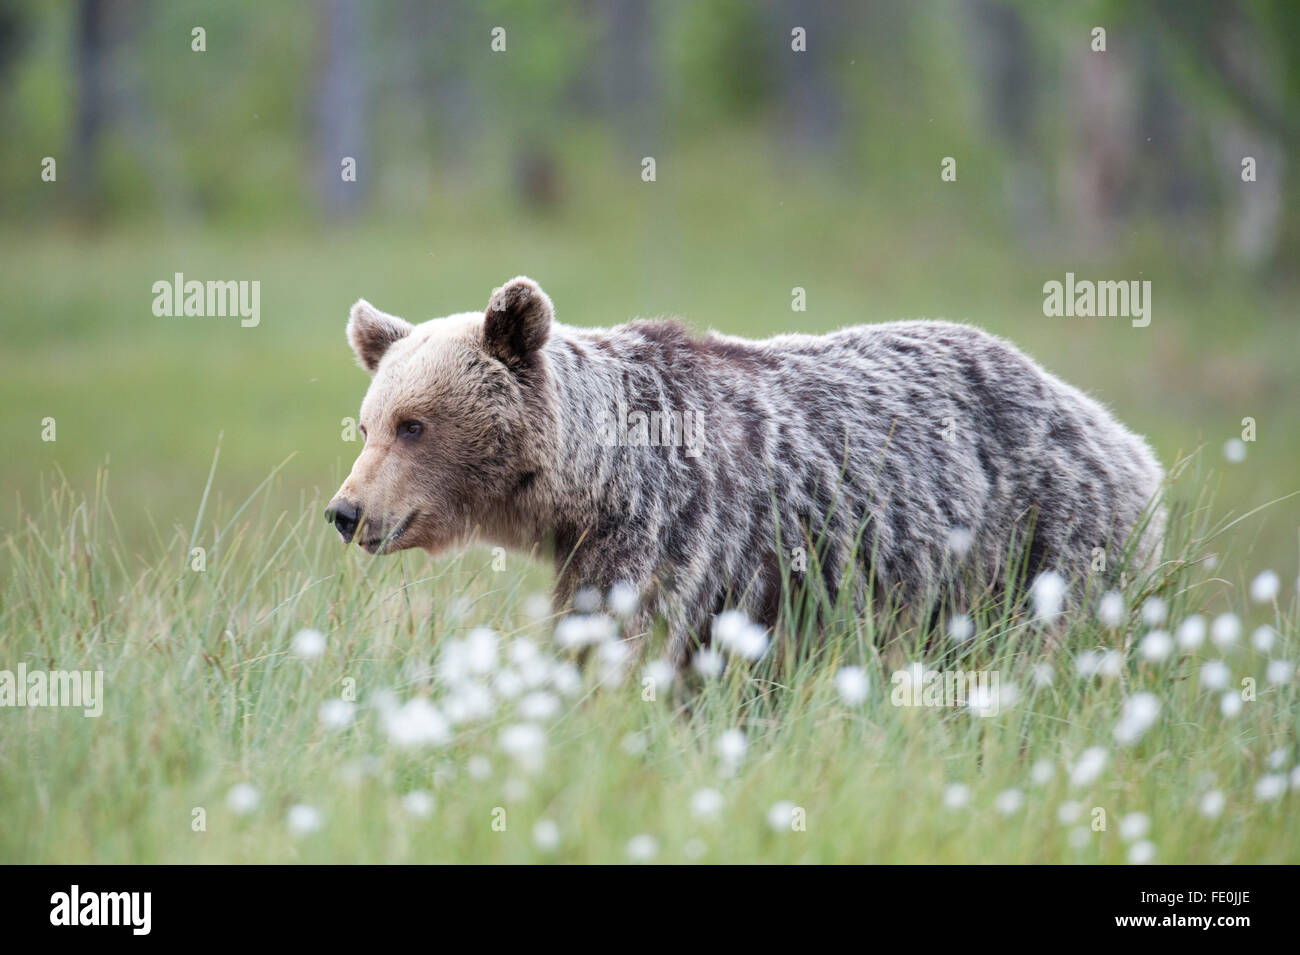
(446, 421)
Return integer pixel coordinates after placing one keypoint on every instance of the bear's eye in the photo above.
(362, 428)
(409, 429)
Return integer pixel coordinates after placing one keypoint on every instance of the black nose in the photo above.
(343, 515)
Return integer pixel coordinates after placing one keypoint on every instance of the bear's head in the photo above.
(455, 423)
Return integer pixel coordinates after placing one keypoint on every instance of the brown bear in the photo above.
(908, 460)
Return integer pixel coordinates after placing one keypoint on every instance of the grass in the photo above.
(203, 691)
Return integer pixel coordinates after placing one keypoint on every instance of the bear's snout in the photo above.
(344, 516)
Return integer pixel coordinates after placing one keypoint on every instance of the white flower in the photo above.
(1042, 675)
(1234, 450)
(614, 659)
(1110, 609)
(304, 820)
(707, 663)
(583, 630)
(1277, 758)
(1191, 632)
(1156, 646)
(738, 635)
(1279, 671)
(852, 684)
(781, 816)
(469, 702)
(659, 673)
(537, 607)
(540, 706)
(481, 650)
(706, 803)
(1154, 612)
(732, 747)
(1134, 826)
(307, 644)
(1212, 804)
(566, 678)
(418, 803)
(1270, 787)
(960, 540)
(1263, 589)
(1068, 811)
(623, 600)
(642, 848)
(1089, 766)
(1048, 593)
(546, 835)
(1215, 675)
(417, 723)
(1225, 629)
(1230, 704)
(989, 701)
(526, 744)
(1261, 638)
(1139, 714)
(243, 798)
(336, 714)
(1009, 801)
(1142, 853)
(479, 767)
(1041, 773)
(509, 682)
(1295, 777)
(1110, 663)
(956, 795)
(587, 600)
(634, 744)
(961, 628)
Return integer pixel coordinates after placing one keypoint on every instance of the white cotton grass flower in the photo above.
(991, 700)
(303, 820)
(1041, 773)
(418, 803)
(623, 600)
(1156, 646)
(243, 798)
(614, 657)
(1215, 674)
(537, 607)
(587, 600)
(1211, 804)
(479, 767)
(509, 683)
(566, 678)
(1295, 777)
(546, 835)
(1138, 715)
(1142, 853)
(707, 663)
(1279, 672)
(539, 706)
(336, 714)
(1048, 594)
(706, 803)
(1191, 632)
(482, 650)
(1262, 638)
(1134, 826)
(1270, 787)
(1225, 630)
(956, 796)
(1230, 704)
(1264, 588)
(1234, 450)
(961, 628)
(736, 634)
(1110, 610)
(1089, 766)
(642, 848)
(1277, 758)
(1069, 811)
(781, 816)
(731, 748)
(470, 702)
(852, 685)
(1009, 801)
(660, 674)
(307, 644)
(960, 540)
(634, 744)
(1042, 675)
(583, 630)
(1154, 612)
(525, 743)
(416, 723)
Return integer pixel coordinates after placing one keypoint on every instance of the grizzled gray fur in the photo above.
(908, 461)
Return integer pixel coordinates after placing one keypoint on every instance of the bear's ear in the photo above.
(371, 331)
(518, 321)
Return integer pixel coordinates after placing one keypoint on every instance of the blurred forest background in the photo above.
(775, 168)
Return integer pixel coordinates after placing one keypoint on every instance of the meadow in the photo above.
(293, 700)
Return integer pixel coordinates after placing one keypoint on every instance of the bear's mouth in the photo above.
(384, 543)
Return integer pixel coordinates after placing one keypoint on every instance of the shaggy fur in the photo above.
(906, 461)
